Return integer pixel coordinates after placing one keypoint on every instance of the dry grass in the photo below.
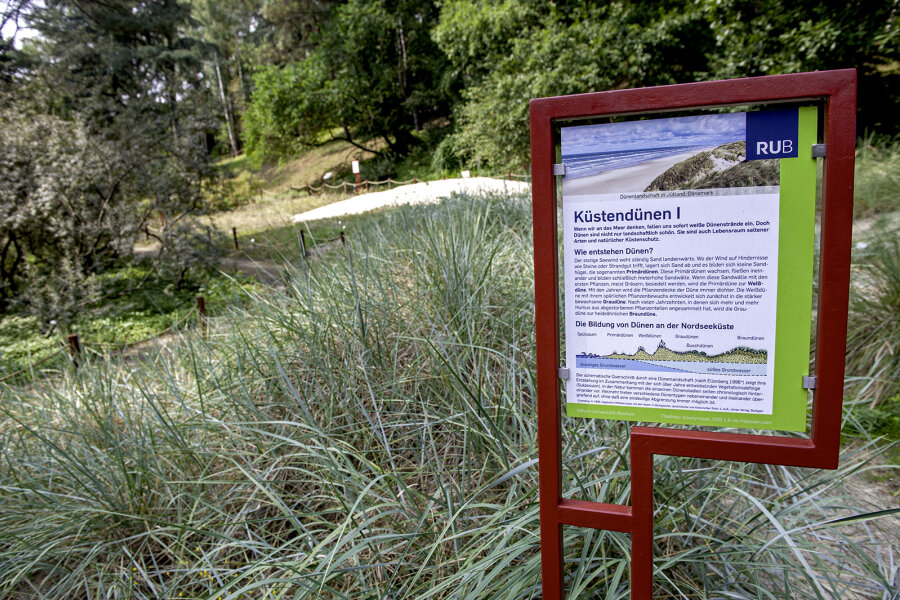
(279, 199)
(312, 166)
(274, 210)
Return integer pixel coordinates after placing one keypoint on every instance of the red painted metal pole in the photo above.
(834, 266)
(547, 303)
(642, 511)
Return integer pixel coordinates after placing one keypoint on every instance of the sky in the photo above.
(703, 130)
(9, 28)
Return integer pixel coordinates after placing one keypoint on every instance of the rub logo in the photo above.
(772, 134)
(774, 147)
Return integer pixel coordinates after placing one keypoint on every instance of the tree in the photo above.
(108, 138)
(504, 53)
(562, 49)
(11, 59)
(235, 34)
(374, 73)
(767, 37)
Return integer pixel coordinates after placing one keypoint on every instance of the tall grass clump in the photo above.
(877, 185)
(873, 333)
(369, 432)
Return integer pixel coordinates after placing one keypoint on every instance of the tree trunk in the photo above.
(244, 96)
(228, 123)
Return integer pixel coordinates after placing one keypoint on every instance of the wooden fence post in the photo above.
(234, 236)
(201, 310)
(303, 243)
(74, 348)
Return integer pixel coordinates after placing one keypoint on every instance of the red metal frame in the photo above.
(838, 91)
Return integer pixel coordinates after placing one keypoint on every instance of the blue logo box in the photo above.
(772, 134)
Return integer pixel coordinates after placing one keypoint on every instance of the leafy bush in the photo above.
(447, 157)
(883, 419)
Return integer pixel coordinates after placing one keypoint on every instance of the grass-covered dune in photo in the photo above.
(722, 167)
(369, 432)
(742, 355)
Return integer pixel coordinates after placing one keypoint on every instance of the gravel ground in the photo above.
(417, 193)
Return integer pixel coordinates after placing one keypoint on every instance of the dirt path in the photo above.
(267, 272)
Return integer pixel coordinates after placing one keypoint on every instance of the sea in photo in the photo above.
(632, 155)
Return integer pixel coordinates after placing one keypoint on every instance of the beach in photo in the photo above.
(634, 178)
(629, 156)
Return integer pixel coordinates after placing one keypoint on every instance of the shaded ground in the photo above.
(266, 272)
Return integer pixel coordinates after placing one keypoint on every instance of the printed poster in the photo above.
(687, 246)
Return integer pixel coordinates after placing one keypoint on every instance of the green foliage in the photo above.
(374, 73)
(584, 48)
(23, 343)
(447, 157)
(766, 37)
(880, 420)
(505, 53)
(234, 190)
(108, 138)
(62, 214)
(273, 124)
(130, 304)
(369, 432)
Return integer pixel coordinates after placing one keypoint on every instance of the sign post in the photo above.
(687, 265)
(355, 167)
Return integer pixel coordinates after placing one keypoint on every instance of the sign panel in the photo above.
(355, 166)
(688, 246)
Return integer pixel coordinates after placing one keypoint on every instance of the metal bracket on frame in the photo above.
(819, 150)
(559, 169)
(564, 373)
(809, 382)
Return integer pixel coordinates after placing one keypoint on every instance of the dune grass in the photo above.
(873, 333)
(877, 185)
(369, 432)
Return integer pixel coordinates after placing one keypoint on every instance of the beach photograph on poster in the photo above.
(671, 264)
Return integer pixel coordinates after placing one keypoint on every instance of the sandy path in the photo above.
(628, 179)
(417, 193)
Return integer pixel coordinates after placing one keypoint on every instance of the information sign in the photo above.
(688, 254)
(654, 203)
